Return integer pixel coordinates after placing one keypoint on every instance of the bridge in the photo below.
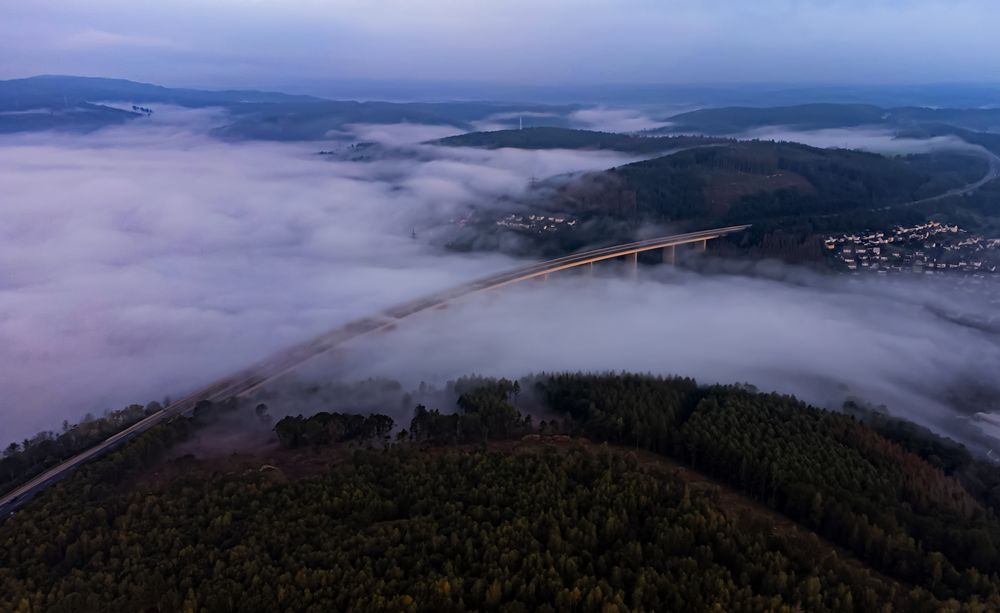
(250, 379)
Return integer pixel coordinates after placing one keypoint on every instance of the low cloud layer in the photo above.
(146, 260)
(614, 120)
(868, 139)
(910, 344)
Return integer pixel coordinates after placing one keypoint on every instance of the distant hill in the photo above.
(55, 92)
(75, 103)
(564, 138)
(315, 120)
(730, 120)
(72, 103)
(322, 119)
(736, 119)
(789, 192)
(987, 140)
(80, 117)
(751, 180)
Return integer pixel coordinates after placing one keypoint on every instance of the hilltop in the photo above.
(818, 116)
(80, 104)
(565, 138)
(72, 103)
(782, 188)
(752, 180)
(635, 492)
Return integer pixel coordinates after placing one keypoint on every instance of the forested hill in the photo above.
(57, 91)
(731, 120)
(565, 138)
(791, 193)
(620, 493)
(78, 104)
(748, 181)
(738, 119)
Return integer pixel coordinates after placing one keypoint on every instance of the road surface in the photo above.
(992, 174)
(250, 379)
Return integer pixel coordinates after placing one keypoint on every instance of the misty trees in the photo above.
(326, 428)
(20, 462)
(488, 411)
(638, 410)
(826, 470)
(485, 413)
(432, 425)
(842, 479)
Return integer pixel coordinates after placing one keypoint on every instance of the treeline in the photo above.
(860, 490)
(979, 477)
(565, 138)
(636, 410)
(913, 505)
(399, 528)
(22, 461)
(326, 428)
(402, 530)
(826, 470)
(485, 413)
(825, 181)
(789, 192)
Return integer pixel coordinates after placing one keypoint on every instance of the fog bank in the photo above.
(906, 343)
(143, 261)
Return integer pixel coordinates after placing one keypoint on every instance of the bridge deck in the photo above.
(250, 379)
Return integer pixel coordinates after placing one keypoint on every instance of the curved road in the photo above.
(991, 174)
(250, 379)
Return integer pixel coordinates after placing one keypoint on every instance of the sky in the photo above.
(283, 42)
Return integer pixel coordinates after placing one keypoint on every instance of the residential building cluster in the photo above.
(536, 223)
(928, 248)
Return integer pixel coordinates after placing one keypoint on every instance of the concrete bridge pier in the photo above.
(670, 255)
(632, 265)
(701, 246)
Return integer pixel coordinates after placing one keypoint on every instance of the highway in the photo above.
(248, 380)
(992, 174)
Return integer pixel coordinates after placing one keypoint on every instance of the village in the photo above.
(928, 248)
(536, 223)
